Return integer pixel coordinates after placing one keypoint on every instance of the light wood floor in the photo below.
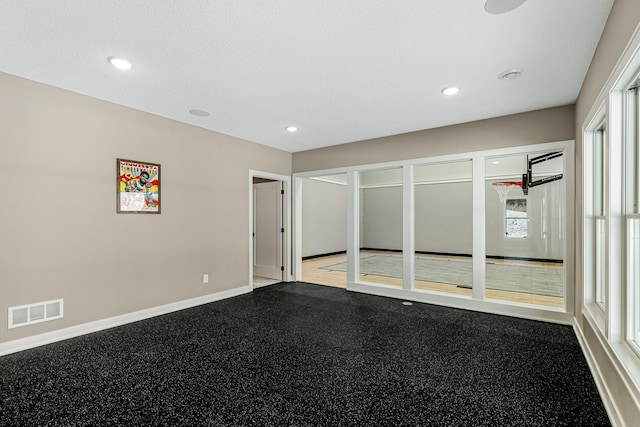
(264, 281)
(312, 272)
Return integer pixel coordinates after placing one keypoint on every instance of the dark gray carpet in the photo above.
(307, 355)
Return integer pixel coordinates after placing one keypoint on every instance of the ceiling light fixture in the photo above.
(199, 113)
(450, 91)
(495, 162)
(512, 74)
(119, 63)
(291, 129)
(498, 7)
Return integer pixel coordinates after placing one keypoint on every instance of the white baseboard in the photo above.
(99, 325)
(605, 394)
(503, 308)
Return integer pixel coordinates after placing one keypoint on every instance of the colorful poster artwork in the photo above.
(138, 187)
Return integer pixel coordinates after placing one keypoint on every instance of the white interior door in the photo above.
(267, 228)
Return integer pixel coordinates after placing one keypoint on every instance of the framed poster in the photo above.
(138, 187)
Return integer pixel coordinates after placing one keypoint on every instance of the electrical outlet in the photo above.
(205, 278)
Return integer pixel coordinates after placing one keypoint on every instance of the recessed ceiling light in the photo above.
(512, 74)
(120, 63)
(199, 113)
(496, 162)
(291, 129)
(497, 7)
(450, 90)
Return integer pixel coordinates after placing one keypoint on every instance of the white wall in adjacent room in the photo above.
(444, 220)
(324, 217)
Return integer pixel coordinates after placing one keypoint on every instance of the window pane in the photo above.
(517, 219)
(632, 180)
(525, 241)
(381, 226)
(324, 230)
(600, 213)
(443, 227)
(633, 150)
(633, 279)
(601, 261)
(599, 172)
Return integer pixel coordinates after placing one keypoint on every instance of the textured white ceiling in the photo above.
(339, 70)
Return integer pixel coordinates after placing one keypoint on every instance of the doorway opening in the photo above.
(269, 229)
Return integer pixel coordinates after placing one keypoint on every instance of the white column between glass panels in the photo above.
(353, 227)
(408, 227)
(479, 231)
(297, 224)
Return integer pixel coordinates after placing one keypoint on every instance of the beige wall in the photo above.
(60, 234)
(549, 125)
(621, 24)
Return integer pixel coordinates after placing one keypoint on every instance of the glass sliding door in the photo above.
(525, 242)
(381, 226)
(443, 195)
(324, 230)
(458, 230)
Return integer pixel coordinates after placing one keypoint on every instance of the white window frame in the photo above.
(600, 213)
(613, 329)
(595, 220)
(631, 212)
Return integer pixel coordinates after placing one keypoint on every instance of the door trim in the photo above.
(286, 259)
(268, 230)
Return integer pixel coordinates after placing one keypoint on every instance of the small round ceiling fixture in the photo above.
(199, 113)
(511, 74)
(119, 63)
(498, 7)
(495, 162)
(450, 91)
(291, 129)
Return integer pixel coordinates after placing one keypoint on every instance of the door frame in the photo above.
(268, 230)
(286, 216)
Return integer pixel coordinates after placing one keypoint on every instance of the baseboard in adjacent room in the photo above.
(304, 258)
(498, 257)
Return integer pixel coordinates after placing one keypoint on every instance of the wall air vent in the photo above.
(29, 314)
